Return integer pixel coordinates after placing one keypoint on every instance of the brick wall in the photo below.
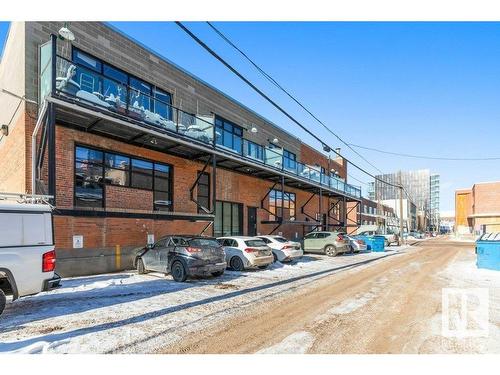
(13, 159)
(311, 156)
(231, 186)
(486, 198)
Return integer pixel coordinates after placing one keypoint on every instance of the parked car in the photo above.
(183, 257)
(390, 238)
(246, 252)
(329, 243)
(27, 255)
(356, 244)
(283, 250)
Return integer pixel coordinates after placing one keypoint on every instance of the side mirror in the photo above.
(150, 246)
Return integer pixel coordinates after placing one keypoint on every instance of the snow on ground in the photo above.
(462, 273)
(127, 312)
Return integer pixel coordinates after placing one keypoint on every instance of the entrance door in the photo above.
(252, 221)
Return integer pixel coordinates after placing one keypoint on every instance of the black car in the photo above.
(183, 256)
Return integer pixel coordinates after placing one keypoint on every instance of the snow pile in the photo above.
(126, 312)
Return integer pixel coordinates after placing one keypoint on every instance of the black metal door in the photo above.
(252, 221)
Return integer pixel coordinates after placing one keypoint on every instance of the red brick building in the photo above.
(131, 145)
(477, 210)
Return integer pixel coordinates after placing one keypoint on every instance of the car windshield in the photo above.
(204, 242)
(280, 239)
(255, 243)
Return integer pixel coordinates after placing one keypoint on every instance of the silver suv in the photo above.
(329, 243)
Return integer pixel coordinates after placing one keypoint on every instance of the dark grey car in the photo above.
(183, 256)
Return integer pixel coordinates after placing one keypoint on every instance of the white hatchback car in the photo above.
(246, 252)
(283, 250)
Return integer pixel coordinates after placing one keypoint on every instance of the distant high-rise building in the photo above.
(371, 190)
(434, 205)
(417, 188)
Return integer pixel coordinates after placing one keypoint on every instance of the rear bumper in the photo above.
(207, 269)
(261, 261)
(293, 254)
(53, 283)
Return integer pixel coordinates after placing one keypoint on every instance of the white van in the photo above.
(27, 255)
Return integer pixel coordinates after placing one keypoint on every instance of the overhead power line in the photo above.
(274, 82)
(424, 157)
(277, 106)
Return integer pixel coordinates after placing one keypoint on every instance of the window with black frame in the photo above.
(163, 187)
(203, 194)
(228, 219)
(275, 204)
(228, 135)
(95, 168)
(89, 179)
(100, 83)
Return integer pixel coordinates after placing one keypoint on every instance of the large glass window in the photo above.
(95, 168)
(89, 178)
(116, 170)
(228, 134)
(276, 199)
(163, 187)
(87, 61)
(254, 150)
(162, 103)
(108, 87)
(228, 219)
(142, 174)
(139, 95)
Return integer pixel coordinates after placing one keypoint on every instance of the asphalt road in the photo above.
(390, 306)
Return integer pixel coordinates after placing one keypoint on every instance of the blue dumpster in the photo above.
(488, 251)
(367, 240)
(378, 243)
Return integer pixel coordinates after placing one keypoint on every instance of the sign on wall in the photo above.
(77, 241)
(151, 239)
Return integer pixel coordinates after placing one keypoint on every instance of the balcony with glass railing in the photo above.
(88, 87)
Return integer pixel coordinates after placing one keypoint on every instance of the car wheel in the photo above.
(386, 243)
(263, 267)
(330, 251)
(237, 264)
(218, 273)
(140, 267)
(178, 272)
(3, 301)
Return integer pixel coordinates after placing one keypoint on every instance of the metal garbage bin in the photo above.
(366, 239)
(378, 243)
(488, 251)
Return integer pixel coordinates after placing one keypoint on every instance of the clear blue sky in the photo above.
(421, 88)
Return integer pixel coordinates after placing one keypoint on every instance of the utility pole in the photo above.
(401, 240)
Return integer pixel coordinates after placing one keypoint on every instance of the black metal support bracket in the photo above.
(264, 199)
(275, 229)
(356, 222)
(334, 206)
(206, 227)
(302, 208)
(195, 185)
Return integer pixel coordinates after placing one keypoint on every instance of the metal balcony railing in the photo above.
(87, 86)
